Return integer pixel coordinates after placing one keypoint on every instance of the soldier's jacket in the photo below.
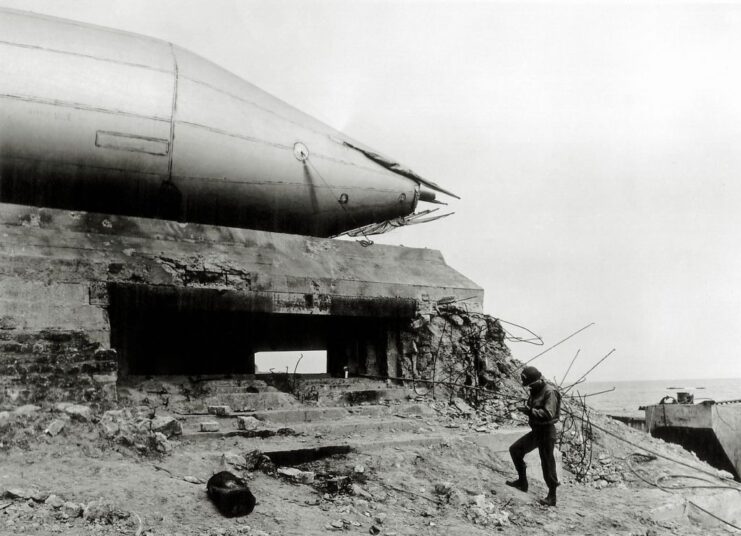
(544, 404)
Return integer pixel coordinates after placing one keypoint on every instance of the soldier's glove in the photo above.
(524, 409)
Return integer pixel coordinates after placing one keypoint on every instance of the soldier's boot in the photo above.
(550, 499)
(521, 482)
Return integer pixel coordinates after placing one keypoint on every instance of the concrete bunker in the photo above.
(92, 299)
(159, 330)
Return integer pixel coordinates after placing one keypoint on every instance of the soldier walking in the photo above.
(543, 410)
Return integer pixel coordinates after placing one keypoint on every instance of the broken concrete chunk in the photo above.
(55, 501)
(257, 460)
(462, 406)
(247, 422)
(360, 492)
(231, 458)
(209, 426)
(109, 429)
(220, 411)
(78, 411)
(71, 509)
(167, 425)
(456, 497)
(102, 512)
(25, 494)
(419, 323)
(27, 409)
(55, 427)
(297, 475)
(143, 412)
(161, 444)
(193, 479)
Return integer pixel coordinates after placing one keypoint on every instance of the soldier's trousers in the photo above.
(542, 438)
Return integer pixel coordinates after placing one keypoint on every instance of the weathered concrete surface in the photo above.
(290, 273)
(712, 431)
(59, 271)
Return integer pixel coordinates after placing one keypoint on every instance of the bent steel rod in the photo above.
(420, 380)
(552, 347)
(583, 376)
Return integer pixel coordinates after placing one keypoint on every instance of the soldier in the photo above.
(543, 410)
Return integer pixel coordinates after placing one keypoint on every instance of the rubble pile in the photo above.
(24, 425)
(33, 509)
(140, 429)
(461, 350)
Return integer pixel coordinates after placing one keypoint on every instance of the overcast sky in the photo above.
(595, 147)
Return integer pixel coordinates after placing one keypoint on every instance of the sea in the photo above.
(628, 396)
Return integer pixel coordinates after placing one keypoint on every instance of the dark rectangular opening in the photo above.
(171, 331)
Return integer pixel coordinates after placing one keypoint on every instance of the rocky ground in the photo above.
(69, 469)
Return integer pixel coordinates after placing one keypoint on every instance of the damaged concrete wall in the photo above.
(53, 343)
(456, 346)
(58, 269)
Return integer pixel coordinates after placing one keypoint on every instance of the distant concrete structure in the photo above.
(86, 299)
(711, 430)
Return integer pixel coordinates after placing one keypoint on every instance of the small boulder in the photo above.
(161, 444)
(297, 475)
(462, 406)
(167, 425)
(27, 409)
(102, 512)
(109, 428)
(247, 422)
(55, 427)
(25, 494)
(78, 411)
(236, 460)
(71, 509)
(55, 501)
(209, 426)
(360, 492)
